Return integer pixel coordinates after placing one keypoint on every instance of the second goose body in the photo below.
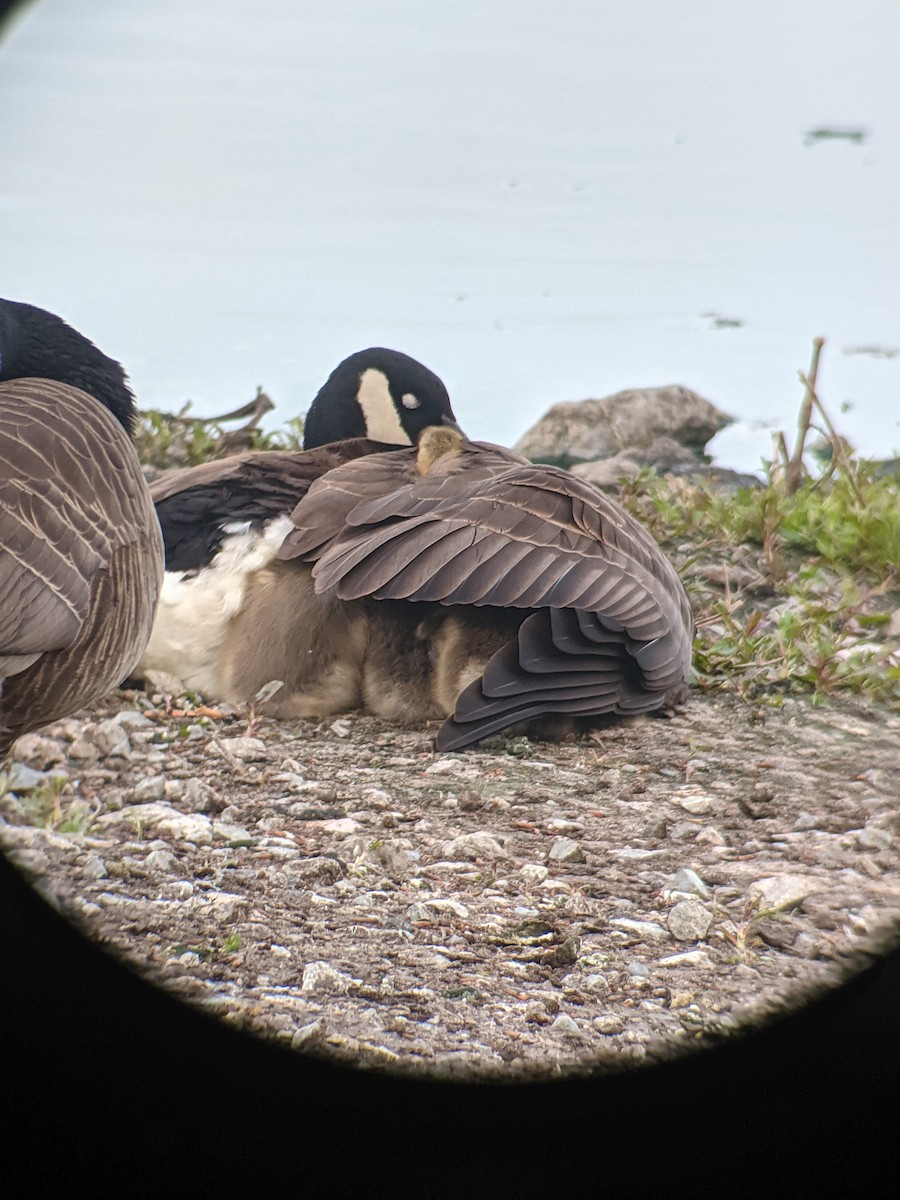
(445, 580)
(223, 523)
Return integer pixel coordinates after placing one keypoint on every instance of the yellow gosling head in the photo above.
(436, 442)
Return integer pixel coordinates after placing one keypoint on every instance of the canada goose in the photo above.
(80, 546)
(558, 603)
(223, 523)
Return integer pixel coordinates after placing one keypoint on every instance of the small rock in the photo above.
(783, 891)
(689, 921)
(148, 791)
(163, 820)
(322, 977)
(309, 1035)
(20, 778)
(449, 905)
(595, 983)
(806, 821)
(38, 751)
(688, 958)
(559, 825)
(710, 836)
(474, 845)
(649, 929)
(82, 749)
(341, 826)
(197, 797)
(872, 838)
(161, 860)
(564, 849)
(245, 749)
(452, 766)
(301, 872)
(696, 805)
(111, 739)
(608, 1024)
(340, 728)
(565, 1024)
(532, 874)
(686, 880)
(94, 867)
(231, 832)
(132, 720)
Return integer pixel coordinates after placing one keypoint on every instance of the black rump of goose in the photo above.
(80, 548)
(541, 597)
(223, 521)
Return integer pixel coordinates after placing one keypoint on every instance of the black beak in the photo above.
(451, 424)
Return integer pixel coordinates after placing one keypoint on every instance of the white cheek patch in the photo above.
(195, 608)
(408, 400)
(380, 412)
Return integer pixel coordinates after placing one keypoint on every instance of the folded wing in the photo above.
(606, 623)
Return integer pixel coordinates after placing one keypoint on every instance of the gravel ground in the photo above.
(520, 910)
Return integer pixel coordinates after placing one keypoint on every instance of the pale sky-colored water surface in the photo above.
(541, 201)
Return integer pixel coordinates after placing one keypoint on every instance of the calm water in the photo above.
(542, 202)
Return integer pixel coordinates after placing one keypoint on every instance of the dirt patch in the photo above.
(526, 909)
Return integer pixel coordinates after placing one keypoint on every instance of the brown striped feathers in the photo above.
(431, 579)
(557, 601)
(80, 547)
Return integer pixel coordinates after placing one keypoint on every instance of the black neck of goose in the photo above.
(335, 413)
(406, 399)
(35, 344)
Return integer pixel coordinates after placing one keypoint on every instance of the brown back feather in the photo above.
(80, 554)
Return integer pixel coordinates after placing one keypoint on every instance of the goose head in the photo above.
(378, 394)
(36, 344)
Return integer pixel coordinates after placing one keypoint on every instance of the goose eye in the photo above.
(408, 400)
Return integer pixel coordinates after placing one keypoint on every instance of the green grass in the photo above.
(791, 592)
(166, 440)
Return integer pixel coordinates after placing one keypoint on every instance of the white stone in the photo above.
(564, 1024)
(564, 849)
(245, 749)
(111, 739)
(164, 820)
(777, 892)
(648, 929)
(696, 805)
(689, 921)
(473, 845)
(322, 977)
(688, 958)
(341, 826)
(533, 873)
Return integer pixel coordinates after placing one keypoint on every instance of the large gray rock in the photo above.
(578, 431)
(663, 453)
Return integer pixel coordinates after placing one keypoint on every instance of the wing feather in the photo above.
(606, 625)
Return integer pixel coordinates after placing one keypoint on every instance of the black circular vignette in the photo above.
(106, 1075)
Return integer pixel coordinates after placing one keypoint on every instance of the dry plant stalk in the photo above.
(794, 471)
